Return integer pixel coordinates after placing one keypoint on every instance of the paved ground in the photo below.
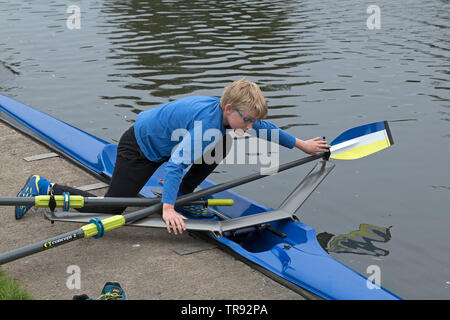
(144, 261)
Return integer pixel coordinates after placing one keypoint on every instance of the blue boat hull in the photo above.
(297, 260)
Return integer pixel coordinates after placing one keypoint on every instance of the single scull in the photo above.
(273, 241)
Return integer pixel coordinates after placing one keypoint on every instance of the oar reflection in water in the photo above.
(358, 241)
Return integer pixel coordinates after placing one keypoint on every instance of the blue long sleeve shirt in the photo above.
(177, 130)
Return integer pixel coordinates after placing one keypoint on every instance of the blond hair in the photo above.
(245, 95)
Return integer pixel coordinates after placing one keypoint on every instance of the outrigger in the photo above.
(273, 241)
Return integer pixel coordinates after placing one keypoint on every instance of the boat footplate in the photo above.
(243, 231)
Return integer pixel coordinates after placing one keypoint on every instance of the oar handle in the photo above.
(219, 202)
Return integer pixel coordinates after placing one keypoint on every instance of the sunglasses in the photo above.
(248, 120)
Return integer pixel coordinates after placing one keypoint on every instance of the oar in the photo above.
(76, 201)
(97, 227)
(361, 141)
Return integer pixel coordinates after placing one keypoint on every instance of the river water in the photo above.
(322, 69)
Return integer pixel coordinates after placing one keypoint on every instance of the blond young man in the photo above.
(150, 142)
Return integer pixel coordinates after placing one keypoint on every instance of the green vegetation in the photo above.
(10, 290)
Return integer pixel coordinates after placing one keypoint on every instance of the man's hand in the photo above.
(173, 219)
(312, 146)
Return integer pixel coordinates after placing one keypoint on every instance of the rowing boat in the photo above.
(277, 244)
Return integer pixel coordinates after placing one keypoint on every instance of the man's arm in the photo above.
(311, 146)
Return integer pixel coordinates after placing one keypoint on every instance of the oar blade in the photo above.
(361, 141)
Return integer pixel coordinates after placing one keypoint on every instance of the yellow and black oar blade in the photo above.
(361, 141)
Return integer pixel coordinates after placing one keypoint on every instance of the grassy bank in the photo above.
(10, 290)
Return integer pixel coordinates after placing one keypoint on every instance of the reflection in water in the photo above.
(358, 241)
(7, 69)
(193, 47)
(7, 74)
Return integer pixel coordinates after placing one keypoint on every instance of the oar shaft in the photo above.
(237, 182)
(80, 202)
(118, 202)
(40, 246)
(17, 201)
(145, 202)
(140, 214)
